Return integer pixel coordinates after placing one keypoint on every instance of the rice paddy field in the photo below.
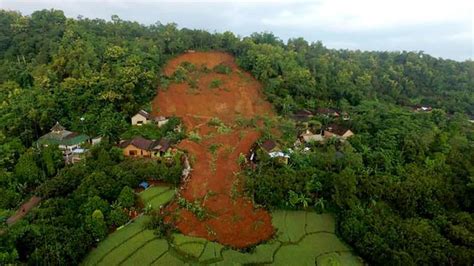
(302, 238)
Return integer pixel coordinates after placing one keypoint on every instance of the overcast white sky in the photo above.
(440, 28)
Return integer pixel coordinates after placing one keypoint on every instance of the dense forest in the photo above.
(402, 188)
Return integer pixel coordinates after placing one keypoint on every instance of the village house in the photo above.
(271, 148)
(331, 131)
(327, 112)
(140, 118)
(141, 147)
(308, 136)
(422, 108)
(67, 141)
(143, 117)
(337, 131)
(302, 115)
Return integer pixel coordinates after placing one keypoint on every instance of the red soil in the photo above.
(232, 219)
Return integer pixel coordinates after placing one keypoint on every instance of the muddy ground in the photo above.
(231, 219)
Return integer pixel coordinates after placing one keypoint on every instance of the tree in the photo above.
(26, 170)
(95, 224)
(126, 199)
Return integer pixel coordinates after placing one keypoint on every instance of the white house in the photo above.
(142, 117)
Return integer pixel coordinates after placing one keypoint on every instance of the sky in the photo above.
(440, 28)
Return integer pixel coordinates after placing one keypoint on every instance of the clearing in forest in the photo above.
(210, 101)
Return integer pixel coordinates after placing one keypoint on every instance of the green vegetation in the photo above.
(116, 239)
(310, 235)
(194, 136)
(151, 131)
(193, 206)
(157, 196)
(215, 83)
(402, 174)
(222, 69)
(221, 127)
(401, 188)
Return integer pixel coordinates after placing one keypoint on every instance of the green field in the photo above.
(157, 196)
(121, 245)
(302, 238)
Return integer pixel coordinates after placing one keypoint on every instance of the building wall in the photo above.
(162, 122)
(128, 151)
(348, 134)
(139, 119)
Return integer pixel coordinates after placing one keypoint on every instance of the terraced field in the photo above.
(155, 197)
(303, 238)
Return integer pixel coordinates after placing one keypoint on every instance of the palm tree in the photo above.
(319, 204)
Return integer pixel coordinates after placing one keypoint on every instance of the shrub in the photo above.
(180, 74)
(222, 69)
(117, 217)
(214, 122)
(194, 136)
(157, 223)
(215, 83)
(126, 197)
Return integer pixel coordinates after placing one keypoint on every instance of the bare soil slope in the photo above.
(232, 219)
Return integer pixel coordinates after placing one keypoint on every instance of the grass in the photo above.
(161, 199)
(193, 250)
(152, 192)
(263, 254)
(115, 239)
(157, 196)
(167, 259)
(127, 248)
(338, 258)
(194, 136)
(212, 252)
(148, 253)
(304, 239)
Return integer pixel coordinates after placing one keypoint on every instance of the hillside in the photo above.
(382, 141)
(234, 220)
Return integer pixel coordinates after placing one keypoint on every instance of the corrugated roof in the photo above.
(337, 129)
(145, 114)
(60, 136)
(145, 144)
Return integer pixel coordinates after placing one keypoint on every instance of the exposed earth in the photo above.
(232, 219)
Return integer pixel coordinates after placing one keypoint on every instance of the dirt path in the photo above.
(24, 209)
(233, 220)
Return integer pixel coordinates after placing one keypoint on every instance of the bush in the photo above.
(215, 83)
(126, 198)
(117, 217)
(194, 136)
(157, 223)
(222, 69)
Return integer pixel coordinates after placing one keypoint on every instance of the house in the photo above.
(67, 141)
(143, 117)
(328, 112)
(423, 108)
(337, 131)
(140, 118)
(269, 147)
(309, 136)
(141, 147)
(302, 115)
(160, 120)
